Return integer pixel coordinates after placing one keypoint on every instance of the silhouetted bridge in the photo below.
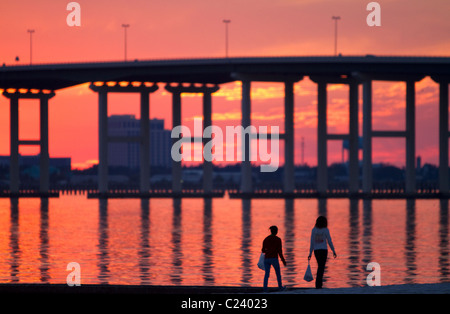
(205, 76)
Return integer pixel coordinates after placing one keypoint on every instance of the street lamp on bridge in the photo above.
(125, 26)
(336, 19)
(31, 31)
(226, 36)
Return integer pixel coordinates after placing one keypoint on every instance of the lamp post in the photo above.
(31, 31)
(226, 36)
(336, 19)
(125, 26)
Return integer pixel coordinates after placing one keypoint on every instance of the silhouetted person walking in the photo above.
(320, 235)
(272, 248)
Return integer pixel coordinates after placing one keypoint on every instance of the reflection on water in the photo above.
(218, 241)
(208, 262)
(103, 255)
(410, 255)
(354, 267)
(43, 242)
(366, 236)
(144, 251)
(177, 253)
(14, 241)
(246, 242)
(443, 242)
(289, 243)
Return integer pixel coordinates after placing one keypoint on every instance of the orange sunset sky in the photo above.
(161, 29)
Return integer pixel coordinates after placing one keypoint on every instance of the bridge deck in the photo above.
(220, 70)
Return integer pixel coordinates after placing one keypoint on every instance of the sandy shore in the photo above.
(439, 288)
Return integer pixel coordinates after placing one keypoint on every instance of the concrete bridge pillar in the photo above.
(410, 171)
(353, 138)
(14, 168)
(44, 158)
(144, 143)
(444, 133)
(367, 182)
(443, 137)
(176, 121)
(15, 142)
(103, 89)
(323, 136)
(207, 92)
(289, 171)
(102, 141)
(288, 136)
(322, 171)
(207, 121)
(409, 133)
(246, 167)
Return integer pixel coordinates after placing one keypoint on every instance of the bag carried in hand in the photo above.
(261, 262)
(308, 274)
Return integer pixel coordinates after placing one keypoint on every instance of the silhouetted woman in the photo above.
(320, 236)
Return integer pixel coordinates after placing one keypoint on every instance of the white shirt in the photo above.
(319, 239)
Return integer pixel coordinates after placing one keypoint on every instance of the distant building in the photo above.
(126, 154)
(160, 144)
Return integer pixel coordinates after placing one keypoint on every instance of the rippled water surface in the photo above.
(218, 242)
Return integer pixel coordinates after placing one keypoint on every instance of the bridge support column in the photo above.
(409, 133)
(289, 137)
(410, 172)
(353, 138)
(246, 167)
(207, 121)
(15, 142)
(144, 144)
(323, 136)
(103, 139)
(367, 177)
(176, 121)
(14, 167)
(444, 133)
(44, 154)
(322, 172)
(443, 137)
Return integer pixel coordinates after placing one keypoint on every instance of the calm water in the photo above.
(196, 242)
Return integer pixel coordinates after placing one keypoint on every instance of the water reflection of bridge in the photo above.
(205, 76)
(362, 248)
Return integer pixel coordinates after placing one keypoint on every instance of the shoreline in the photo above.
(429, 288)
(92, 289)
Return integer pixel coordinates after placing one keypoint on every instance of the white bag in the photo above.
(308, 274)
(261, 262)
